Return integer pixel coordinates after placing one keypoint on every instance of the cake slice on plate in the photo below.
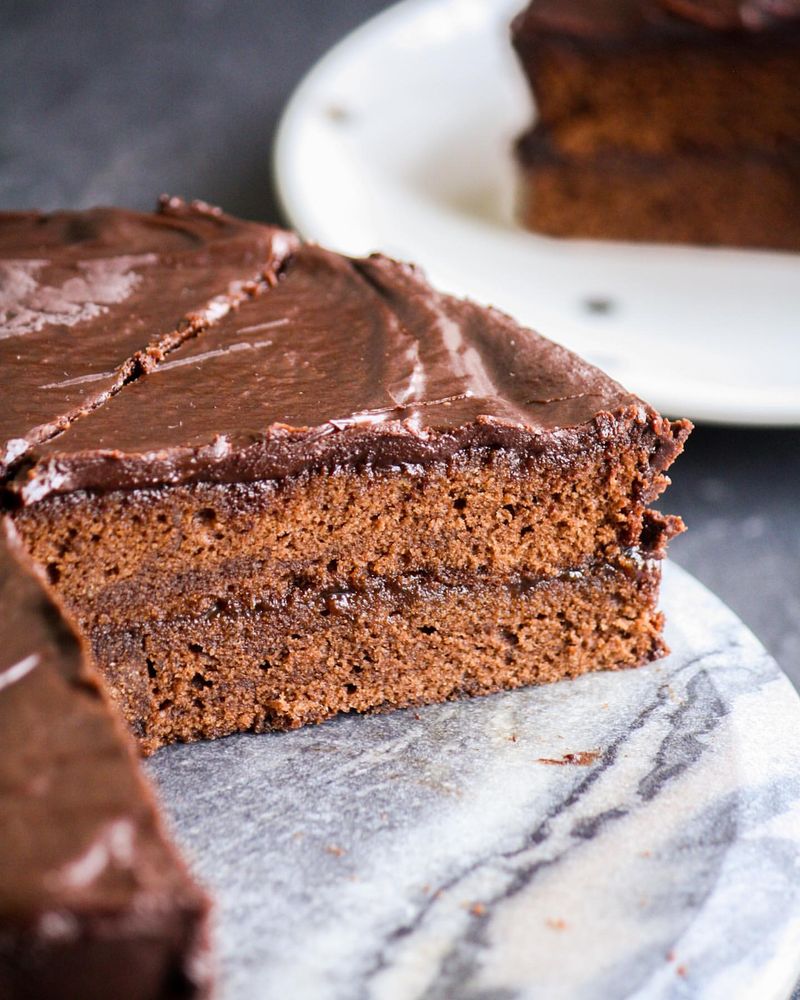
(663, 120)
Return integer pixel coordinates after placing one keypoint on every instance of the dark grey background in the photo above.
(115, 101)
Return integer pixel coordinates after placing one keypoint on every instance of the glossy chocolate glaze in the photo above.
(343, 363)
(88, 299)
(88, 880)
(655, 20)
(735, 15)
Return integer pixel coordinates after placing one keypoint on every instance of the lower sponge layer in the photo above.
(400, 642)
(737, 198)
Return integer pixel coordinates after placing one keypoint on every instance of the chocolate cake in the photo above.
(334, 489)
(94, 900)
(663, 120)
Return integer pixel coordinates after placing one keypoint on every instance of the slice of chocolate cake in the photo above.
(94, 902)
(674, 120)
(349, 492)
(352, 493)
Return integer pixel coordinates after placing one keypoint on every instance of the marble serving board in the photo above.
(632, 834)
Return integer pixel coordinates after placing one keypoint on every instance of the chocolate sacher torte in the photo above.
(330, 489)
(663, 120)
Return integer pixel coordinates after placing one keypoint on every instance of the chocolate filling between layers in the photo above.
(408, 641)
(688, 197)
(186, 549)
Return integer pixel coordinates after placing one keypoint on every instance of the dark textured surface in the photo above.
(118, 102)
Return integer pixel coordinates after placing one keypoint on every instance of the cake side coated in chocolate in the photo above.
(88, 299)
(94, 901)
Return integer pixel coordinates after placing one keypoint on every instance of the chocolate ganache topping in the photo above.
(87, 299)
(341, 363)
(727, 15)
(654, 20)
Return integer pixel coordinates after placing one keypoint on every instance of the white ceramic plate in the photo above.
(399, 140)
(439, 854)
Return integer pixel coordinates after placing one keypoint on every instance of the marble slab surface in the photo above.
(624, 835)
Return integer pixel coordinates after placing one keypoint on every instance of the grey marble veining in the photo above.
(436, 855)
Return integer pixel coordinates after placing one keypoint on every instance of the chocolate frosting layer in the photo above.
(88, 299)
(730, 15)
(655, 20)
(541, 145)
(343, 363)
(86, 871)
